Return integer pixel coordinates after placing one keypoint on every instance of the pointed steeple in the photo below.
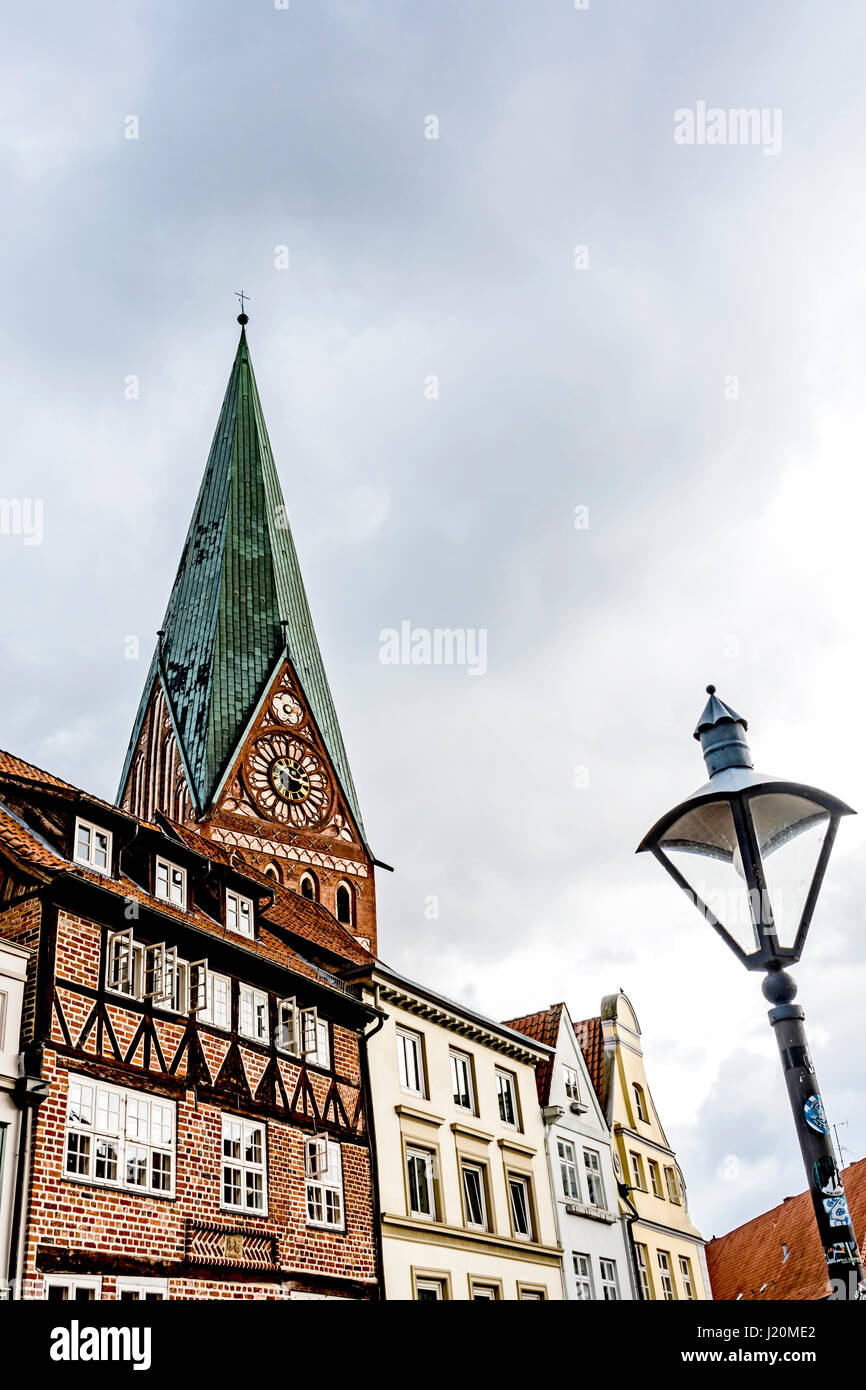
(237, 606)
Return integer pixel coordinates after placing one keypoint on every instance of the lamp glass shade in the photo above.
(703, 848)
(790, 831)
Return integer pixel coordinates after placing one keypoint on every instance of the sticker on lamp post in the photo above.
(816, 1119)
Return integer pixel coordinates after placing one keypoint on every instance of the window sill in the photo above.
(426, 1117)
(81, 1181)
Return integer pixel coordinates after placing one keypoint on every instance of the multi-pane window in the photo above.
(430, 1290)
(568, 1169)
(253, 1013)
(76, 1288)
(244, 1166)
(643, 1270)
(571, 1080)
(674, 1189)
(323, 1162)
(592, 1173)
(218, 1009)
(142, 1290)
(583, 1277)
(410, 1061)
(301, 1033)
(667, 1279)
(506, 1092)
(170, 883)
(92, 846)
(420, 1176)
(119, 1138)
(521, 1208)
(461, 1081)
(322, 1055)
(154, 972)
(637, 1177)
(640, 1103)
(609, 1280)
(687, 1277)
(484, 1293)
(655, 1178)
(474, 1195)
(239, 914)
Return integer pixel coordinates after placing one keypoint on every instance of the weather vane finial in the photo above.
(243, 318)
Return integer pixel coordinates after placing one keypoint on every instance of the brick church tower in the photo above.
(236, 734)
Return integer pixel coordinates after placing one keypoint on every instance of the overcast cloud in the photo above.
(725, 520)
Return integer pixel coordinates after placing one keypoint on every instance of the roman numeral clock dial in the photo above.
(287, 781)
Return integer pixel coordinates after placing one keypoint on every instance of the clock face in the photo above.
(287, 780)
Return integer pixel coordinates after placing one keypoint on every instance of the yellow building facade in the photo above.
(668, 1249)
(465, 1207)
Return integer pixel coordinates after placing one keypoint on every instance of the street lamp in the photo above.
(751, 851)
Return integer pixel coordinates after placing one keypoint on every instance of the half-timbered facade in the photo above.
(198, 1121)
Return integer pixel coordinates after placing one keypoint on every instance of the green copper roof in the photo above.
(237, 580)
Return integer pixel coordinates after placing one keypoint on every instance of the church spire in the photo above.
(237, 607)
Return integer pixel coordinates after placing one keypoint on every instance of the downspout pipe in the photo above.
(624, 1191)
(550, 1114)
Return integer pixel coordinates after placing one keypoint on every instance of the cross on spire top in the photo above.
(243, 317)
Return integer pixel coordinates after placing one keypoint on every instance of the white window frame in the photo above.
(609, 1280)
(121, 1109)
(242, 1166)
(643, 1270)
(687, 1277)
(260, 1020)
(73, 1282)
(427, 1159)
(146, 1290)
(584, 1283)
(506, 1085)
(666, 1275)
(208, 1013)
(287, 1026)
(571, 1081)
(674, 1187)
(406, 1038)
(640, 1102)
(235, 903)
(123, 979)
(89, 862)
(170, 870)
(594, 1179)
(460, 1061)
(324, 1189)
(472, 1166)
(322, 1055)
(567, 1160)
(655, 1177)
(637, 1170)
(524, 1181)
(428, 1284)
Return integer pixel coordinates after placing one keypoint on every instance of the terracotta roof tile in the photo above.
(289, 910)
(25, 847)
(542, 1027)
(752, 1261)
(591, 1039)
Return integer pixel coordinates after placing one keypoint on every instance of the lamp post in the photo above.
(751, 852)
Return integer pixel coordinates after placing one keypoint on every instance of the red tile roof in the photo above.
(306, 920)
(542, 1027)
(751, 1260)
(591, 1039)
(289, 910)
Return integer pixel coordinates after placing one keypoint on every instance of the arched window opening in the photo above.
(309, 888)
(640, 1103)
(271, 871)
(345, 905)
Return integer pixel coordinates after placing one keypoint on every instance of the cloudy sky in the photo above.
(690, 379)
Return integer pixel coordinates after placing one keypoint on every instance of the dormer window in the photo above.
(345, 905)
(310, 888)
(239, 914)
(170, 883)
(92, 846)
